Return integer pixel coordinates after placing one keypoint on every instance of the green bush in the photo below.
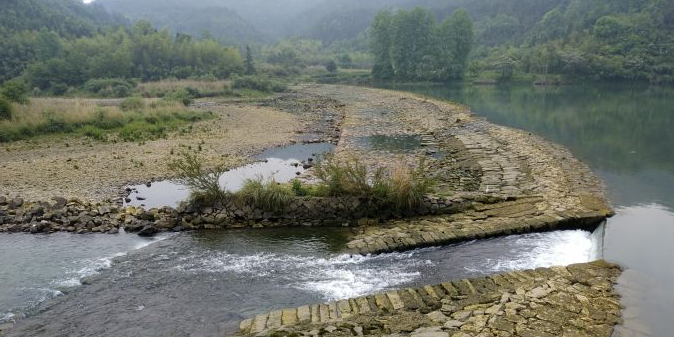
(204, 183)
(59, 89)
(331, 66)
(109, 87)
(182, 96)
(93, 133)
(15, 91)
(138, 131)
(298, 189)
(6, 109)
(268, 196)
(134, 103)
(259, 83)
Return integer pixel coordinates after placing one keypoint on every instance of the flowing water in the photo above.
(204, 283)
(624, 132)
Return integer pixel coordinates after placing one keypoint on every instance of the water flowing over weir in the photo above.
(208, 281)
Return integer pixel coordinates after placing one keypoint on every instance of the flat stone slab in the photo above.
(578, 300)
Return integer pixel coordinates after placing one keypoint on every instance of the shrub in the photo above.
(109, 87)
(6, 109)
(182, 96)
(93, 133)
(347, 178)
(402, 188)
(298, 189)
(15, 91)
(259, 83)
(331, 66)
(134, 103)
(59, 89)
(141, 130)
(204, 183)
(268, 196)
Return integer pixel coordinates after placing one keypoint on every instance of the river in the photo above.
(625, 134)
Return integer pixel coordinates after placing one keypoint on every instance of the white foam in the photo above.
(536, 250)
(6, 317)
(335, 277)
(93, 266)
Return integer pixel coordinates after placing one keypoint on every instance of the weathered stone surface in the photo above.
(537, 302)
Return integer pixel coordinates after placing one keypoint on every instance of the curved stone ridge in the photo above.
(577, 300)
(543, 185)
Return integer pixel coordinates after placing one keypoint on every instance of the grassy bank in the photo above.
(138, 119)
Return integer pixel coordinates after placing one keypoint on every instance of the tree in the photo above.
(380, 44)
(505, 67)
(456, 34)
(411, 41)
(331, 66)
(249, 63)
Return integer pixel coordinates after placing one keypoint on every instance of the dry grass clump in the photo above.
(402, 187)
(265, 195)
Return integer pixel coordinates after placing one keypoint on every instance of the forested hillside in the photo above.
(55, 45)
(29, 29)
(195, 18)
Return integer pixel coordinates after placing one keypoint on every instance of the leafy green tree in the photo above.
(411, 40)
(505, 67)
(456, 34)
(380, 44)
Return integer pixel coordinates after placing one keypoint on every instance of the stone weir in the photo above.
(577, 300)
(538, 185)
(492, 180)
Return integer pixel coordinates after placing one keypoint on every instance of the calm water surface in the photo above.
(626, 134)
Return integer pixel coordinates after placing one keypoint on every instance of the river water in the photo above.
(625, 133)
(204, 283)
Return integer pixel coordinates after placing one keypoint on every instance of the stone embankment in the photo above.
(577, 300)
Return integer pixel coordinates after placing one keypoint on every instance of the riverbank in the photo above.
(79, 167)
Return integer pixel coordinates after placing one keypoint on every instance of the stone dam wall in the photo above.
(578, 300)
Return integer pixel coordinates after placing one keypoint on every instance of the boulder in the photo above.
(59, 202)
(148, 231)
(16, 203)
